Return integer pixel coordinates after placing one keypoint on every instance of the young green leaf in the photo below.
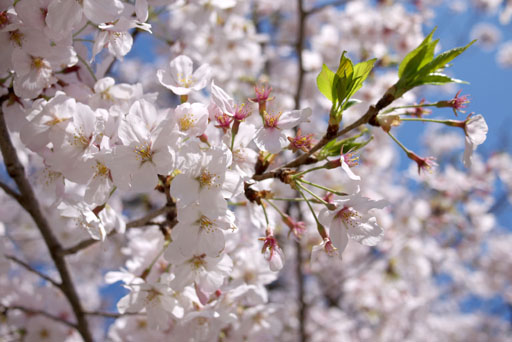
(441, 60)
(325, 83)
(417, 57)
(436, 79)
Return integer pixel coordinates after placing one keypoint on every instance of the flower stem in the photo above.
(410, 106)
(321, 187)
(309, 170)
(445, 122)
(310, 207)
(406, 150)
(283, 215)
(83, 40)
(81, 29)
(88, 67)
(328, 205)
(146, 271)
(265, 212)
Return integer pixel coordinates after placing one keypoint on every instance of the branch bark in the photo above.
(42, 313)
(33, 270)
(29, 201)
(10, 192)
(143, 221)
(299, 271)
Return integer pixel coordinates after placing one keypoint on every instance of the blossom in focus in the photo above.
(180, 79)
(271, 137)
(352, 219)
(475, 129)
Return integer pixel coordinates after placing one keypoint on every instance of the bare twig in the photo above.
(33, 270)
(112, 314)
(146, 219)
(29, 201)
(10, 191)
(143, 221)
(30, 311)
(301, 27)
(318, 8)
(299, 272)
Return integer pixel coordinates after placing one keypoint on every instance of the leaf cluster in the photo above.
(341, 85)
(420, 67)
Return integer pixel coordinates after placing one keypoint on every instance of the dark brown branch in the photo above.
(325, 5)
(10, 191)
(39, 312)
(302, 307)
(143, 221)
(298, 50)
(33, 270)
(112, 314)
(146, 219)
(29, 201)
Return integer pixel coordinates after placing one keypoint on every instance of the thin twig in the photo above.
(298, 49)
(143, 221)
(146, 219)
(33, 270)
(299, 272)
(29, 201)
(325, 5)
(40, 312)
(111, 314)
(10, 191)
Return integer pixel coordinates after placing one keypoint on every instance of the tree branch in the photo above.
(31, 205)
(299, 272)
(325, 5)
(33, 270)
(111, 314)
(298, 49)
(10, 192)
(40, 312)
(143, 221)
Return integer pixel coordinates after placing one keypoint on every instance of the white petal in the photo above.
(270, 139)
(185, 189)
(293, 118)
(339, 238)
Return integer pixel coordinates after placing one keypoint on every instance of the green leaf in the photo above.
(441, 60)
(325, 82)
(350, 103)
(340, 86)
(436, 79)
(361, 72)
(420, 66)
(354, 146)
(333, 147)
(418, 57)
(346, 68)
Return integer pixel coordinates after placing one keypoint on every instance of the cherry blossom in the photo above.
(271, 137)
(475, 129)
(179, 77)
(352, 218)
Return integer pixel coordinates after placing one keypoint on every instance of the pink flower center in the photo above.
(271, 121)
(348, 216)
